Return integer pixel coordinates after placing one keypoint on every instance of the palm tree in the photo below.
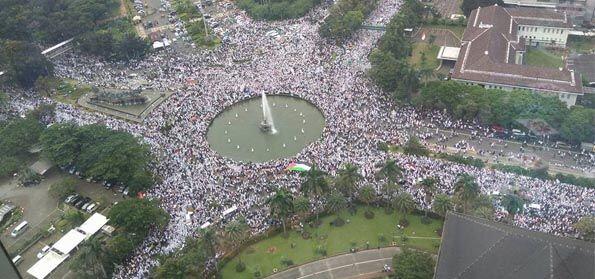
(89, 263)
(347, 179)
(466, 190)
(235, 233)
(442, 204)
(513, 204)
(336, 203)
(389, 189)
(391, 171)
(301, 206)
(428, 184)
(404, 204)
(209, 239)
(281, 206)
(367, 195)
(314, 184)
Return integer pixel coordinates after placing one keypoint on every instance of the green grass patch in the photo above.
(429, 51)
(543, 58)
(268, 254)
(581, 44)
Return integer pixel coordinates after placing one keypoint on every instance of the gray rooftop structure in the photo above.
(478, 248)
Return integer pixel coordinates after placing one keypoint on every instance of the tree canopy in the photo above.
(411, 264)
(137, 216)
(345, 17)
(100, 153)
(277, 9)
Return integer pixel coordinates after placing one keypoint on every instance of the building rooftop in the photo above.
(489, 46)
(478, 248)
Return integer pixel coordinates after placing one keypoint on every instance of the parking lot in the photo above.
(41, 211)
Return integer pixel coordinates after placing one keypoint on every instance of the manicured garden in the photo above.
(359, 233)
(425, 56)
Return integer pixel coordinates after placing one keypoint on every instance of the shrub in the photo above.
(240, 267)
(369, 214)
(404, 222)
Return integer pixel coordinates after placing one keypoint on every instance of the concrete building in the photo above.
(493, 48)
(580, 12)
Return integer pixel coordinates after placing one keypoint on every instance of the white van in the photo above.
(19, 229)
(17, 260)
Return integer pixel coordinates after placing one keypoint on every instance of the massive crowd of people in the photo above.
(358, 117)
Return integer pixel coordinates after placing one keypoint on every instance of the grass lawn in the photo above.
(268, 253)
(543, 58)
(431, 51)
(581, 44)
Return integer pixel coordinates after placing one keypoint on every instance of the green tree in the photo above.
(428, 184)
(314, 184)
(513, 205)
(414, 147)
(347, 179)
(404, 204)
(23, 62)
(391, 171)
(62, 189)
(578, 125)
(336, 203)
(137, 216)
(411, 264)
(367, 195)
(466, 190)
(90, 260)
(442, 204)
(301, 206)
(19, 135)
(281, 206)
(235, 233)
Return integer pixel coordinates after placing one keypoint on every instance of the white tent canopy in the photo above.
(93, 224)
(47, 264)
(69, 241)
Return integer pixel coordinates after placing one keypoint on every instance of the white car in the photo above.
(43, 251)
(92, 207)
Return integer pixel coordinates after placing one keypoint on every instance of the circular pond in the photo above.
(238, 133)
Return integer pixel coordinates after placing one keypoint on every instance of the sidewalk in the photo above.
(353, 265)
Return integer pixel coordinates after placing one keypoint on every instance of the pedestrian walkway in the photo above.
(353, 265)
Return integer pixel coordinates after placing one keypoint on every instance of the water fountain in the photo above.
(247, 131)
(267, 124)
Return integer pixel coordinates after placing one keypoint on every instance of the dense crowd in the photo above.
(358, 117)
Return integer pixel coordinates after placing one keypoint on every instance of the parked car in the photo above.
(91, 208)
(43, 251)
(125, 192)
(71, 198)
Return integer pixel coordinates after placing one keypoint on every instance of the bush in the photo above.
(404, 222)
(339, 222)
(369, 214)
(321, 250)
(425, 220)
(240, 267)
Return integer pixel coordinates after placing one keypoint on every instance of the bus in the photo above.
(19, 229)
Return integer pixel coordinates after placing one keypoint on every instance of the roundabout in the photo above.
(265, 128)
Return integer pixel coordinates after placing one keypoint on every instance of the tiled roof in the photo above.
(477, 248)
(488, 54)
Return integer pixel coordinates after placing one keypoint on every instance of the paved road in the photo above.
(364, 264)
